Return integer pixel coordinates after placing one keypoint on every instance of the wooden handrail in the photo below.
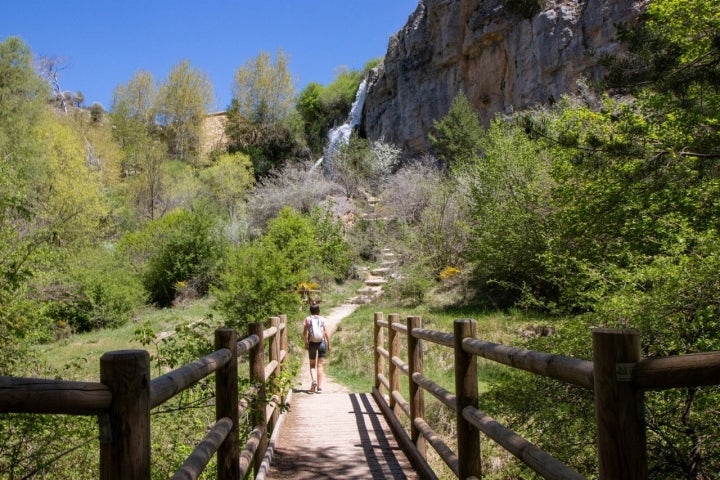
(617, 376)
(567, 369)
(165, 387)
(692, 370)
(536, 458)
(201, 455)
(125, 395)
(40, 395)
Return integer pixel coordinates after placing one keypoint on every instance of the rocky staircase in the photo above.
(375, 279)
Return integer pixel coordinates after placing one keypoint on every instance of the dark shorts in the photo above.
(318, 347)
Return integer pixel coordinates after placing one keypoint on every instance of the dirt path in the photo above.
(332, 319)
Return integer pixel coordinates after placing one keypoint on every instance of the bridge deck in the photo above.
(337, 435)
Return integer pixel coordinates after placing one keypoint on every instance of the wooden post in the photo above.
(125, 430)
(257, 376)
(275, 356)
(466, 393)
(226, 405)
(619, 408)
(284, 347)
(417, 399)
(379, 359)
(393, 351)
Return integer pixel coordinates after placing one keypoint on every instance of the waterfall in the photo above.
(340, 136)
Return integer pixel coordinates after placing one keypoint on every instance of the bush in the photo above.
(181, 247)
(256, 284)
(296, 185)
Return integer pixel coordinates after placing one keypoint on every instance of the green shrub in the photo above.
(180, 249)
(256, 284)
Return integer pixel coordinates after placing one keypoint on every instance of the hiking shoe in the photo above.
(319, 390)
(313, 387)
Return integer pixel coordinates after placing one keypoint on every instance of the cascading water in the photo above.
(340, 136)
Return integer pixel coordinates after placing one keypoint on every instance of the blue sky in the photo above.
(106, 42)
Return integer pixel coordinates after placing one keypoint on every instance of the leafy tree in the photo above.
(133, 110)
(314, 118)
(72, 214)
(261, 119)
(510, 195)
(322, 108)
(263, 90)
(337, 98)
(335, 255)
(227, 182)
(260, 278)
(148, 181)
(457, 138)
(182, 103)
(179, 251)
(255, 284)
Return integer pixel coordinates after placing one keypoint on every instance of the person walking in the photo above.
(317, 344)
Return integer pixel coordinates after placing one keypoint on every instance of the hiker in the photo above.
(317, 343)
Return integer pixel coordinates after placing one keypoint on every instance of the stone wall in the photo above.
(502, 62)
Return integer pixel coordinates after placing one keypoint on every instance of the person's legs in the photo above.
(319, 372)
(312, 352)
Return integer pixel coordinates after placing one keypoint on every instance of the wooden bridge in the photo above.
(349, 435)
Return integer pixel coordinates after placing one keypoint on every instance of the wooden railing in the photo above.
(617, 375)
(123, 398)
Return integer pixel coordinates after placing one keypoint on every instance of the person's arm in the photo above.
(305, 335)
(327, 338)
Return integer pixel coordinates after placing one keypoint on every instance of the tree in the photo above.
(457, 138)
(263, 92)
(50, 68)
(314, 118)
(180, 250)
(133, 111)
(262, 121)
(182, 104)
(226, 183)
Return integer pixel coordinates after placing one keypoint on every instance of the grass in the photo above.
(81, 353)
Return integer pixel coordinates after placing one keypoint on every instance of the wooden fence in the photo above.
(617, 375)
(123, 398)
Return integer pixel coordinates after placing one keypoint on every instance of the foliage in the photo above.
(260, 278)
(255, 284)
(298, 186)
(263, 90)
(261, 119)
(334, 252)
(322, 108)
(96, 291)
(226, 183)
(456, 140)
(509, 199)
(313, 115)
(182, 104)
(133, 110)
(180, 247)
(407, 192)
(361, 166)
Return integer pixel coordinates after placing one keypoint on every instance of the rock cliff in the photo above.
(500, 60)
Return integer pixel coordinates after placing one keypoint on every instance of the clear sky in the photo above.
(105, 42)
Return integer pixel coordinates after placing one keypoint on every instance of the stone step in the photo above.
(380, 272)
(370, 290)
(374, 281)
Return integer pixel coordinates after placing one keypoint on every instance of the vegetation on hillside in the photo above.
(599, 210)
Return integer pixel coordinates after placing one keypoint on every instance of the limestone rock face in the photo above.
(500, 60)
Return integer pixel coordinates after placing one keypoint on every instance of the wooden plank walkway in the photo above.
(337, 435)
